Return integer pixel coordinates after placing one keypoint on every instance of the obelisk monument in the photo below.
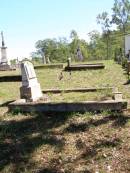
(4, 60)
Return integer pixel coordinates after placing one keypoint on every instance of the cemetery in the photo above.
(31, 92)
(65, 100)
(58, 131)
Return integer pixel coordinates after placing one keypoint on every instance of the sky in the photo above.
(24, 22)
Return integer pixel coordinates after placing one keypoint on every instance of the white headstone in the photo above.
(127, 44)
(30, 89)
(4, 59)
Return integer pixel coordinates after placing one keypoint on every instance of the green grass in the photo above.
(69, 142)
(113, 75)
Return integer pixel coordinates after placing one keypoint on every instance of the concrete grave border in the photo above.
(84, 106)
(95, 66)
(52, 66)
(14, 78)
(76, 90)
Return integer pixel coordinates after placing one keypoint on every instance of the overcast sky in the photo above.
(26, 21)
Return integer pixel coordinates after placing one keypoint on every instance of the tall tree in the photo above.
(104, 21)
(121, 16)
(54, 50)
(96, 45)
(74, 44)
(78, 44)
(45, 48)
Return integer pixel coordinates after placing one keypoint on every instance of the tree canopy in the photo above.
(101, 45)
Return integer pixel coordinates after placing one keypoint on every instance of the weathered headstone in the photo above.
(30, 90)
(117, 94)
(129, 56)
(79, 54)
(69, 62)
(4, 62)
(4, 59)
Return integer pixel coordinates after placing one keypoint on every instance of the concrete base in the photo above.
(31, 94)
(6, 67)
(76, 90)
(52, 66)
(85, 106)
(85, 67)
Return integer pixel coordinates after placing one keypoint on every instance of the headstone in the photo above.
(129, 56)
(69, 62)
(79, 54)
(4, 59)
(118, 96)
(4, 62)
(30, 90)
(127, 44)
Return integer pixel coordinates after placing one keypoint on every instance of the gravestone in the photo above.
(69, 62)
(30, 90)
(4, 62)
(79, 54)
(4, 59)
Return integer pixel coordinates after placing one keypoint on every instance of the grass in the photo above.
(112, 75)
(69, 142)
(64, 143)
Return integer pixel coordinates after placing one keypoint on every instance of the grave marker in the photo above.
(30, 90)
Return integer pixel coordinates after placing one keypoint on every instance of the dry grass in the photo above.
(65, 143)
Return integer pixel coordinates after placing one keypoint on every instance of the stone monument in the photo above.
(4, 63)
(79, 54)
(30, 90)
(69, 62)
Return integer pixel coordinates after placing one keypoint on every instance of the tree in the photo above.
(74, 44)
(104, 21)
(45, 48)
(55, 50)
(77, 43)
(96, 45)
(121, 15)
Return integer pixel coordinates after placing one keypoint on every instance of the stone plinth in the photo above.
(118, 96)
(4, 67)
(86, 106)
(4, 56)
(32, 93)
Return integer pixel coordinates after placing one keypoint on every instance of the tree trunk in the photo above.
(107, 44)
(124, 40)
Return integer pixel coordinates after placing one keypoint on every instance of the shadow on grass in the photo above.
(118, 121)
(90, 151)
(19, 139)
(15, 78)
(47, 170)
(127, 82)
(6, 103)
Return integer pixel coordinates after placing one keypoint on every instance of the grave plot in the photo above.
(32, 98)
(73, 67)
(46, 66)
